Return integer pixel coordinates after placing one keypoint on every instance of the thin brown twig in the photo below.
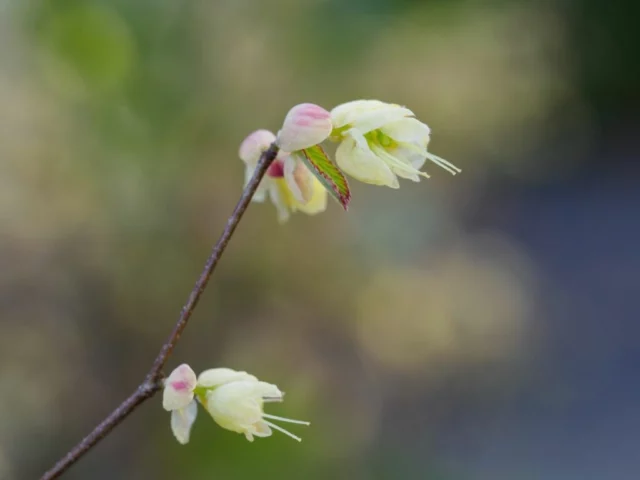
(153, 381)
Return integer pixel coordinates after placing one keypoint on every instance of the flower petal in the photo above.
(182, 420)
(408, 130)
(234, 406)
(356, 158)
(282, 198)
(215, 377)
(318, 201)
(237, 406)
(267, 390)
(262, 429)
(254, 145)
(304, 126)
(178, 388)
(261, 192)
(345, 113)
(367, 115)
(299, 179)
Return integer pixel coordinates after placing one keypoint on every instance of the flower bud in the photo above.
(304, 126)
(178, 388)
(254, 145)
(178, 398)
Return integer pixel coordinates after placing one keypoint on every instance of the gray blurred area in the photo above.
(477, 327)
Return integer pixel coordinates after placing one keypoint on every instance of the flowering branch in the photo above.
(154, 379)
(378, 142)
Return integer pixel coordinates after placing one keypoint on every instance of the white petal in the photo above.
(368, 115)
(318, 201)
(263, 186)
(299, 179)
(182, 421)
(356, 158)
(235, 405)
(261, 429)
(219, 376)
(178, 388)
(267, 390)
(278, 198)
(408, 130)
(345, 113)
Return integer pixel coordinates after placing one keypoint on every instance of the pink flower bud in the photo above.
(252, 147)
(178, 388)
(304, 126)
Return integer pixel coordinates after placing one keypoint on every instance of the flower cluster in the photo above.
(234, 399)
(378, 142)
(288, 182)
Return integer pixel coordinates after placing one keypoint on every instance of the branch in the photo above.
(153, 381)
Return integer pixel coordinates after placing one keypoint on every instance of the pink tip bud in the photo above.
(178, 389)
(304, 126)
(252, 147)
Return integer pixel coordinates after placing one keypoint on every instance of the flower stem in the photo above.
(153, 381)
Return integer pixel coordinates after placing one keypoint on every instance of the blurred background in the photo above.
(483, 326)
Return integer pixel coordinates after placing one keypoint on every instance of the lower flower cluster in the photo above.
(235, 400)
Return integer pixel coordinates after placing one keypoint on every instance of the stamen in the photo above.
(272, 399)
(288, 420)
(393, 161)
(441, 162)
(280, 429)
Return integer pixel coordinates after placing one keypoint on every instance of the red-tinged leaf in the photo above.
(328, 173)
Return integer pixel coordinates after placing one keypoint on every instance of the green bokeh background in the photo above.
(428, 333)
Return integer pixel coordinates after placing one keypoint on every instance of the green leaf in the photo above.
(328, 173)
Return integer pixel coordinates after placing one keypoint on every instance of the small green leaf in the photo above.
(328, 173)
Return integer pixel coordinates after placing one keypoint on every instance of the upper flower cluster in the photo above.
(378, 142)
(234, 399)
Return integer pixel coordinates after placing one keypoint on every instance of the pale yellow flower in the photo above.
(380, 142)
(288, 182)
(238, 406)
(234, 399)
